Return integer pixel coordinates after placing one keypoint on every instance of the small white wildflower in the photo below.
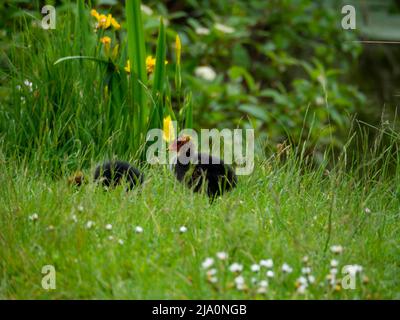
(261, 290)
(286, 268)
(138, 229)
(147, 10)
(263, 283)
(306, 270)
(205, 72)
(208, 262)
(270, 274)
(110, 238)
(302, 281)
(90, 224)
(267, 263)
(337, 249)
(50, 228)
(224, 28)
(302, 289)
(239, 280)
(121, 242)
(213, 279)
(305, 259)
(182, 229)
(255, 268)
(212, 272)
(109, 227)
(201, 31)
(222, 255)
(334, 263)
(34, 217)
(334, 271)
(235, 267)
(18, 87)
(311, 279)
(367, 210)
(74, 218)
(80, 208)
(28, 84)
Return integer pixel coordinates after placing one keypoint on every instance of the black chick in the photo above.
(200, 170)
(112, 173)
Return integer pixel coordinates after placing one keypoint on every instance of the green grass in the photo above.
(279, 212)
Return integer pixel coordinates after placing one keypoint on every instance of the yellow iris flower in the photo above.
(150, 65)
(105, 21)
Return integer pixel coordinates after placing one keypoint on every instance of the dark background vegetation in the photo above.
(288, 70)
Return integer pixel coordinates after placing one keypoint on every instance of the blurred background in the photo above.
(285, 68)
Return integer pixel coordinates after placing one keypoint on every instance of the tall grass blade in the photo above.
(137, 58)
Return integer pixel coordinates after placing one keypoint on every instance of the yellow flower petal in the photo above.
(95, 14)
(105, 40)
(128, 67)
(115, 24)
(150, 64)
(168, 129)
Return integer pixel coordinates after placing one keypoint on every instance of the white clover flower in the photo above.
(235, 267)
(255, 268)
(270, 274)
(205, 72)
(337, 249)
(138, 229)
(334, 263)
(286, 268)
(224, 28)
(182, 229)
(80, 208)
(208, 262)
(109, 227)
(267, 263)
(90, 224)
(121, 242)
(222, 255)
(306, 270)
(33, 217)
(263, 283)
(201, 31)
(147, 10)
